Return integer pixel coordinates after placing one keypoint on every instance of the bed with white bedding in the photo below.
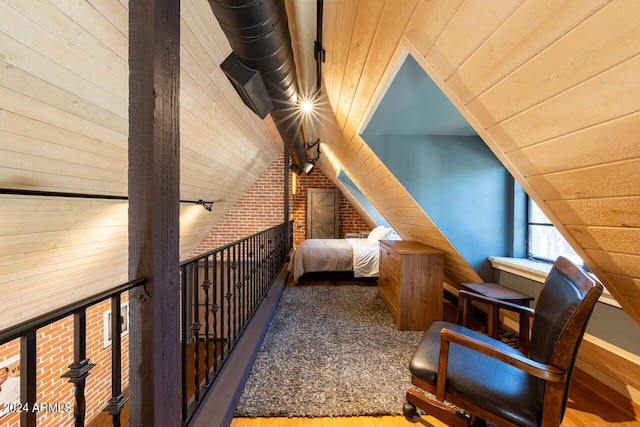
(361, 256)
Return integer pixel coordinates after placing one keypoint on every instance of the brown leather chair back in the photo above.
(561, 315)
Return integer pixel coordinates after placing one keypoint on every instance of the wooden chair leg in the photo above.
(439, 410)
(493, 322)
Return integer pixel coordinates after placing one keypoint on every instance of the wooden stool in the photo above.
(499, 292)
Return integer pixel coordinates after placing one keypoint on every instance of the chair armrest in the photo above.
(494, 305)
(546, 372)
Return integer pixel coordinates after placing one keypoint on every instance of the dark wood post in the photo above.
(154, 178)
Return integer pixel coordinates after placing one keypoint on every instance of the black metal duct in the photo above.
(258, 32)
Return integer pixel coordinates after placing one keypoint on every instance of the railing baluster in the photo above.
(215, 309)
(228, 296)
(233, 286)
(244, 284)
(206, 285)
(250, 273)
(79, 369)
(263, 261)
(195, 332)
(28, 378)
(115, 405)
(184, 323)
(223, 349)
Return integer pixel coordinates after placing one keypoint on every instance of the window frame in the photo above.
(529, 240)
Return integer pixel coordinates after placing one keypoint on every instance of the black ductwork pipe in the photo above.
(258, 32)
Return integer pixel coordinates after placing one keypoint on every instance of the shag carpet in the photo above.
(330, 351)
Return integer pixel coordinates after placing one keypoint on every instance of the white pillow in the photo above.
(393, 235)
(377, 234)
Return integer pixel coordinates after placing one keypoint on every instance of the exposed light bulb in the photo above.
(306, 106)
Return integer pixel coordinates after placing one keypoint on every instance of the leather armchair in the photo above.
(469, 378)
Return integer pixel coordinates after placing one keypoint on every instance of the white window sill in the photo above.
(536, 271)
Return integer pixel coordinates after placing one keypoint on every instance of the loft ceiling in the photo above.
(550, 86)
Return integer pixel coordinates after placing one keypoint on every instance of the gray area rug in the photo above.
(330, 351)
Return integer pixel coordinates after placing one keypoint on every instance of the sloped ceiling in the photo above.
(551, 87)
(64, 128)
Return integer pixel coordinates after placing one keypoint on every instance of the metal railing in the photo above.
(80, 368)
(222, 290)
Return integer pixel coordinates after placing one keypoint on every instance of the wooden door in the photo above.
(323, 205)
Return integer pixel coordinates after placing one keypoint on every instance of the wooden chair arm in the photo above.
(546, 372)
(494, 305)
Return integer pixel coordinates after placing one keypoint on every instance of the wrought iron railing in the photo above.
(223, 288)
(80, 368)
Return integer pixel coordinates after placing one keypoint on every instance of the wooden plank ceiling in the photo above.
(64, 128)
(552, 88)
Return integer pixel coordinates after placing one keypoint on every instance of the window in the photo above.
(124, 323)
(544, 241)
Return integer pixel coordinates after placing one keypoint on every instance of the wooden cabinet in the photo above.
(410, 283)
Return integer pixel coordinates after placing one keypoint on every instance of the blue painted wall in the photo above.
(460, 184)
(445, 165)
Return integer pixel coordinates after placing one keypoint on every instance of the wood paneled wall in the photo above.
(64, 128)
(550, 86)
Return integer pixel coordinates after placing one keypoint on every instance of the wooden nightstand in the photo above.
(410, 283)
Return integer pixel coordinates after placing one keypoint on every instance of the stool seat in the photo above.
(496, 291)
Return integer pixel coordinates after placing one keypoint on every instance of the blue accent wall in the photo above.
(460, 184)
(445, 166)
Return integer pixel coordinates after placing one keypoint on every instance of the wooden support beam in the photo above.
(154, 178)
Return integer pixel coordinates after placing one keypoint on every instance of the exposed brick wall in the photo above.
(262, 206)
(350, 220)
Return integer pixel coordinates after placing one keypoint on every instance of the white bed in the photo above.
(361, 256)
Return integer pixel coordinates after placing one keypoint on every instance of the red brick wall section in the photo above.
(350, 219)
(262, 206)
